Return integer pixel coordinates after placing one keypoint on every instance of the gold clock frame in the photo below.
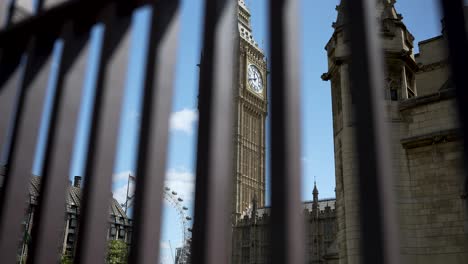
(262, 72)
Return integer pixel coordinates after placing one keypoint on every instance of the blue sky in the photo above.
(420, 16)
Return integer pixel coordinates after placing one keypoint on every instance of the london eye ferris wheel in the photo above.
(177, 203)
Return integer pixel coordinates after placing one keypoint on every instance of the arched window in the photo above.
(391, 89)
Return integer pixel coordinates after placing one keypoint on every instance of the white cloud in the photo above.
(166, 256)
(183, 182)
(184, 120)
(166, 259)
(121, 192)
(165, 245)
(122, 175)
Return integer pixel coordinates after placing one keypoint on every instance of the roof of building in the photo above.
(307, 205)
(315, 191)
(73, 198)
(322, 204)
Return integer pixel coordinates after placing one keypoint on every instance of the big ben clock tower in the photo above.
(251, 111)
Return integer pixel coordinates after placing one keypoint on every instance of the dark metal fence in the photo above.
(26, 61)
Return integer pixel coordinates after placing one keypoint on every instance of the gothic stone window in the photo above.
(391, 89)
(336, 94)
(73, 222)
(410, 82)
(71, 238)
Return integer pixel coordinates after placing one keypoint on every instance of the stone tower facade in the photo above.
(427, 155)
(251, 109)
(251, 233)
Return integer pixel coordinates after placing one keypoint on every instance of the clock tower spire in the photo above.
(251, 111)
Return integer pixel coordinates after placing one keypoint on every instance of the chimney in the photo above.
(77, 182)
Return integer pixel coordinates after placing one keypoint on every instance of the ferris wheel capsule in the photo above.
(180, 200)
(174, 193)
(167, 188)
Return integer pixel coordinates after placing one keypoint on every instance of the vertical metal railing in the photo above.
(378, 227)
(6, 12)
(41, 50)
(286, 230)
(20, 137)
(211, 228)
(103, 136)
(455, 25)
(162, 32)
(57, 156)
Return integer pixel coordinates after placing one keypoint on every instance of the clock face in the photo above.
(254, 78)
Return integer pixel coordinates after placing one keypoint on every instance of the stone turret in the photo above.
(315, 194)
(315, 201)
(254, 207)
(385, 10)
(400, 69)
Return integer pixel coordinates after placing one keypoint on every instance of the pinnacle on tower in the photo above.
(242, 4)
(244, 25)
(340, 17)
(385, 10)
(315, 192)
(243, 15)
(254, 206)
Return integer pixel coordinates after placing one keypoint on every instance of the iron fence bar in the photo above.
(63, 111)
(287, 241)
(6, 12)
(455, 26)
(160, 59)
(20, 141)
(13, 61)
(83, 12)
(31, 63)
(379, 239)
(13, 42)
(103, 138)
(8, 92)
(211, 229)
(10, 58)
(10, 125)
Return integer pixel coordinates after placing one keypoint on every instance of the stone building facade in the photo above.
(251, 233)
(120, 226)
(427, 151)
